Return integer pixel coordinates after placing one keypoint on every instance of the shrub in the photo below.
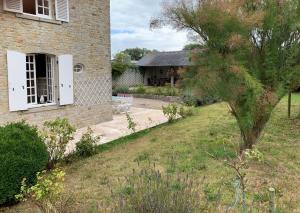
(185, 111)
(150, 191)
(158, 91)
(57, 134)
(140, 90)
(189, 100)
(120, 90)
(131, 124)
(170, 112)
(87, 145)
(48, 193)
(22, 155)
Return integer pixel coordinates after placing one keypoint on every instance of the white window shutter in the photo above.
(62, 10)
(16, 66)
(65, 67)
(13, 6)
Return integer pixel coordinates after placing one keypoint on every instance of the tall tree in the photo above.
(252, 56)
(120, 64)
(136, 53)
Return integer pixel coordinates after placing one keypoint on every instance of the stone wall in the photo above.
(86, 37)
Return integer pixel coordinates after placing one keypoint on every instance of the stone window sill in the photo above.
(36, 18)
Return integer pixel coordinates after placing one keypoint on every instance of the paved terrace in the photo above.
(145, 113)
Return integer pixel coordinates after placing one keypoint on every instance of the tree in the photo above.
(120, 64)
(192, 46)
(136, 53)
(252, 56)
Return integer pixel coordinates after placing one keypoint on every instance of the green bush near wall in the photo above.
(22, 155)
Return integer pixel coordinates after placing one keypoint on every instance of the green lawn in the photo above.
(185, 147)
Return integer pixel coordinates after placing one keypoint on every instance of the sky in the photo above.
(130, 27)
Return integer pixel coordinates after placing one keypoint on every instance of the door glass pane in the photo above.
(30, 75)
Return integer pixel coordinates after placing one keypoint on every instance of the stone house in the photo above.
(161, 68)
(55, 61)
(155, 69)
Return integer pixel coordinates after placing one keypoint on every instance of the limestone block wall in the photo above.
(86, 37)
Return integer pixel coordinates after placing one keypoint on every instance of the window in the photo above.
(31, 79)
(78, 68)
(40, 79)
(40, 8)
(43, 7)
(29, 7)
(37, 7)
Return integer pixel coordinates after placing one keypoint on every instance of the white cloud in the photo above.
(130, 27)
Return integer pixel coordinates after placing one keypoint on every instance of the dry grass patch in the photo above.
(185, 147)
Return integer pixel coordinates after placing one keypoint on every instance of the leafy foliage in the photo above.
(193, 46)
(136, 53)
(120, 64)
(174, 111)
(252, 55)
(149, 90)
(121, 90)
(131, 124)
(48, 193)
(87, 145)
(22, 155)
(186, 111)
(57, 134)
(170, 111)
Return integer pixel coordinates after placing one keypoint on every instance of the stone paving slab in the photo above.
(108, 131)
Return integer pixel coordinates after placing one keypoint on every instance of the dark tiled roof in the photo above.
(164, 59)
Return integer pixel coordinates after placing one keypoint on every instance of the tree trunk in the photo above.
(251, 136)
(259, 113)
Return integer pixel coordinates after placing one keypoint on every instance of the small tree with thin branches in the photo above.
(252, 54)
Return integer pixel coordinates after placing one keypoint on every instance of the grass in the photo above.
(185, 146)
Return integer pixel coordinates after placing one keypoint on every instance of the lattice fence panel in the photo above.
(92, 90)
(129, 78)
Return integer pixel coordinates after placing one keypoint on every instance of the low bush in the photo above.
(121, 90)
(22, 154)
(149, 90)
(140, 90)
(171, 112)
(190, 100)
(186, 111)
(87, 145)
(131, 124)
(48, 194)
(57, 134)
(150, 191)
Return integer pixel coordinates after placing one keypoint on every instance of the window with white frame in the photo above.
(40, 8)
(40, 79)
(43, 7)
(37, 7)
(31, 79)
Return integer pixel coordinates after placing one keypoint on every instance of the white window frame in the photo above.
(50, 78)
(37, 12)
(53, 101)
(31, 79)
